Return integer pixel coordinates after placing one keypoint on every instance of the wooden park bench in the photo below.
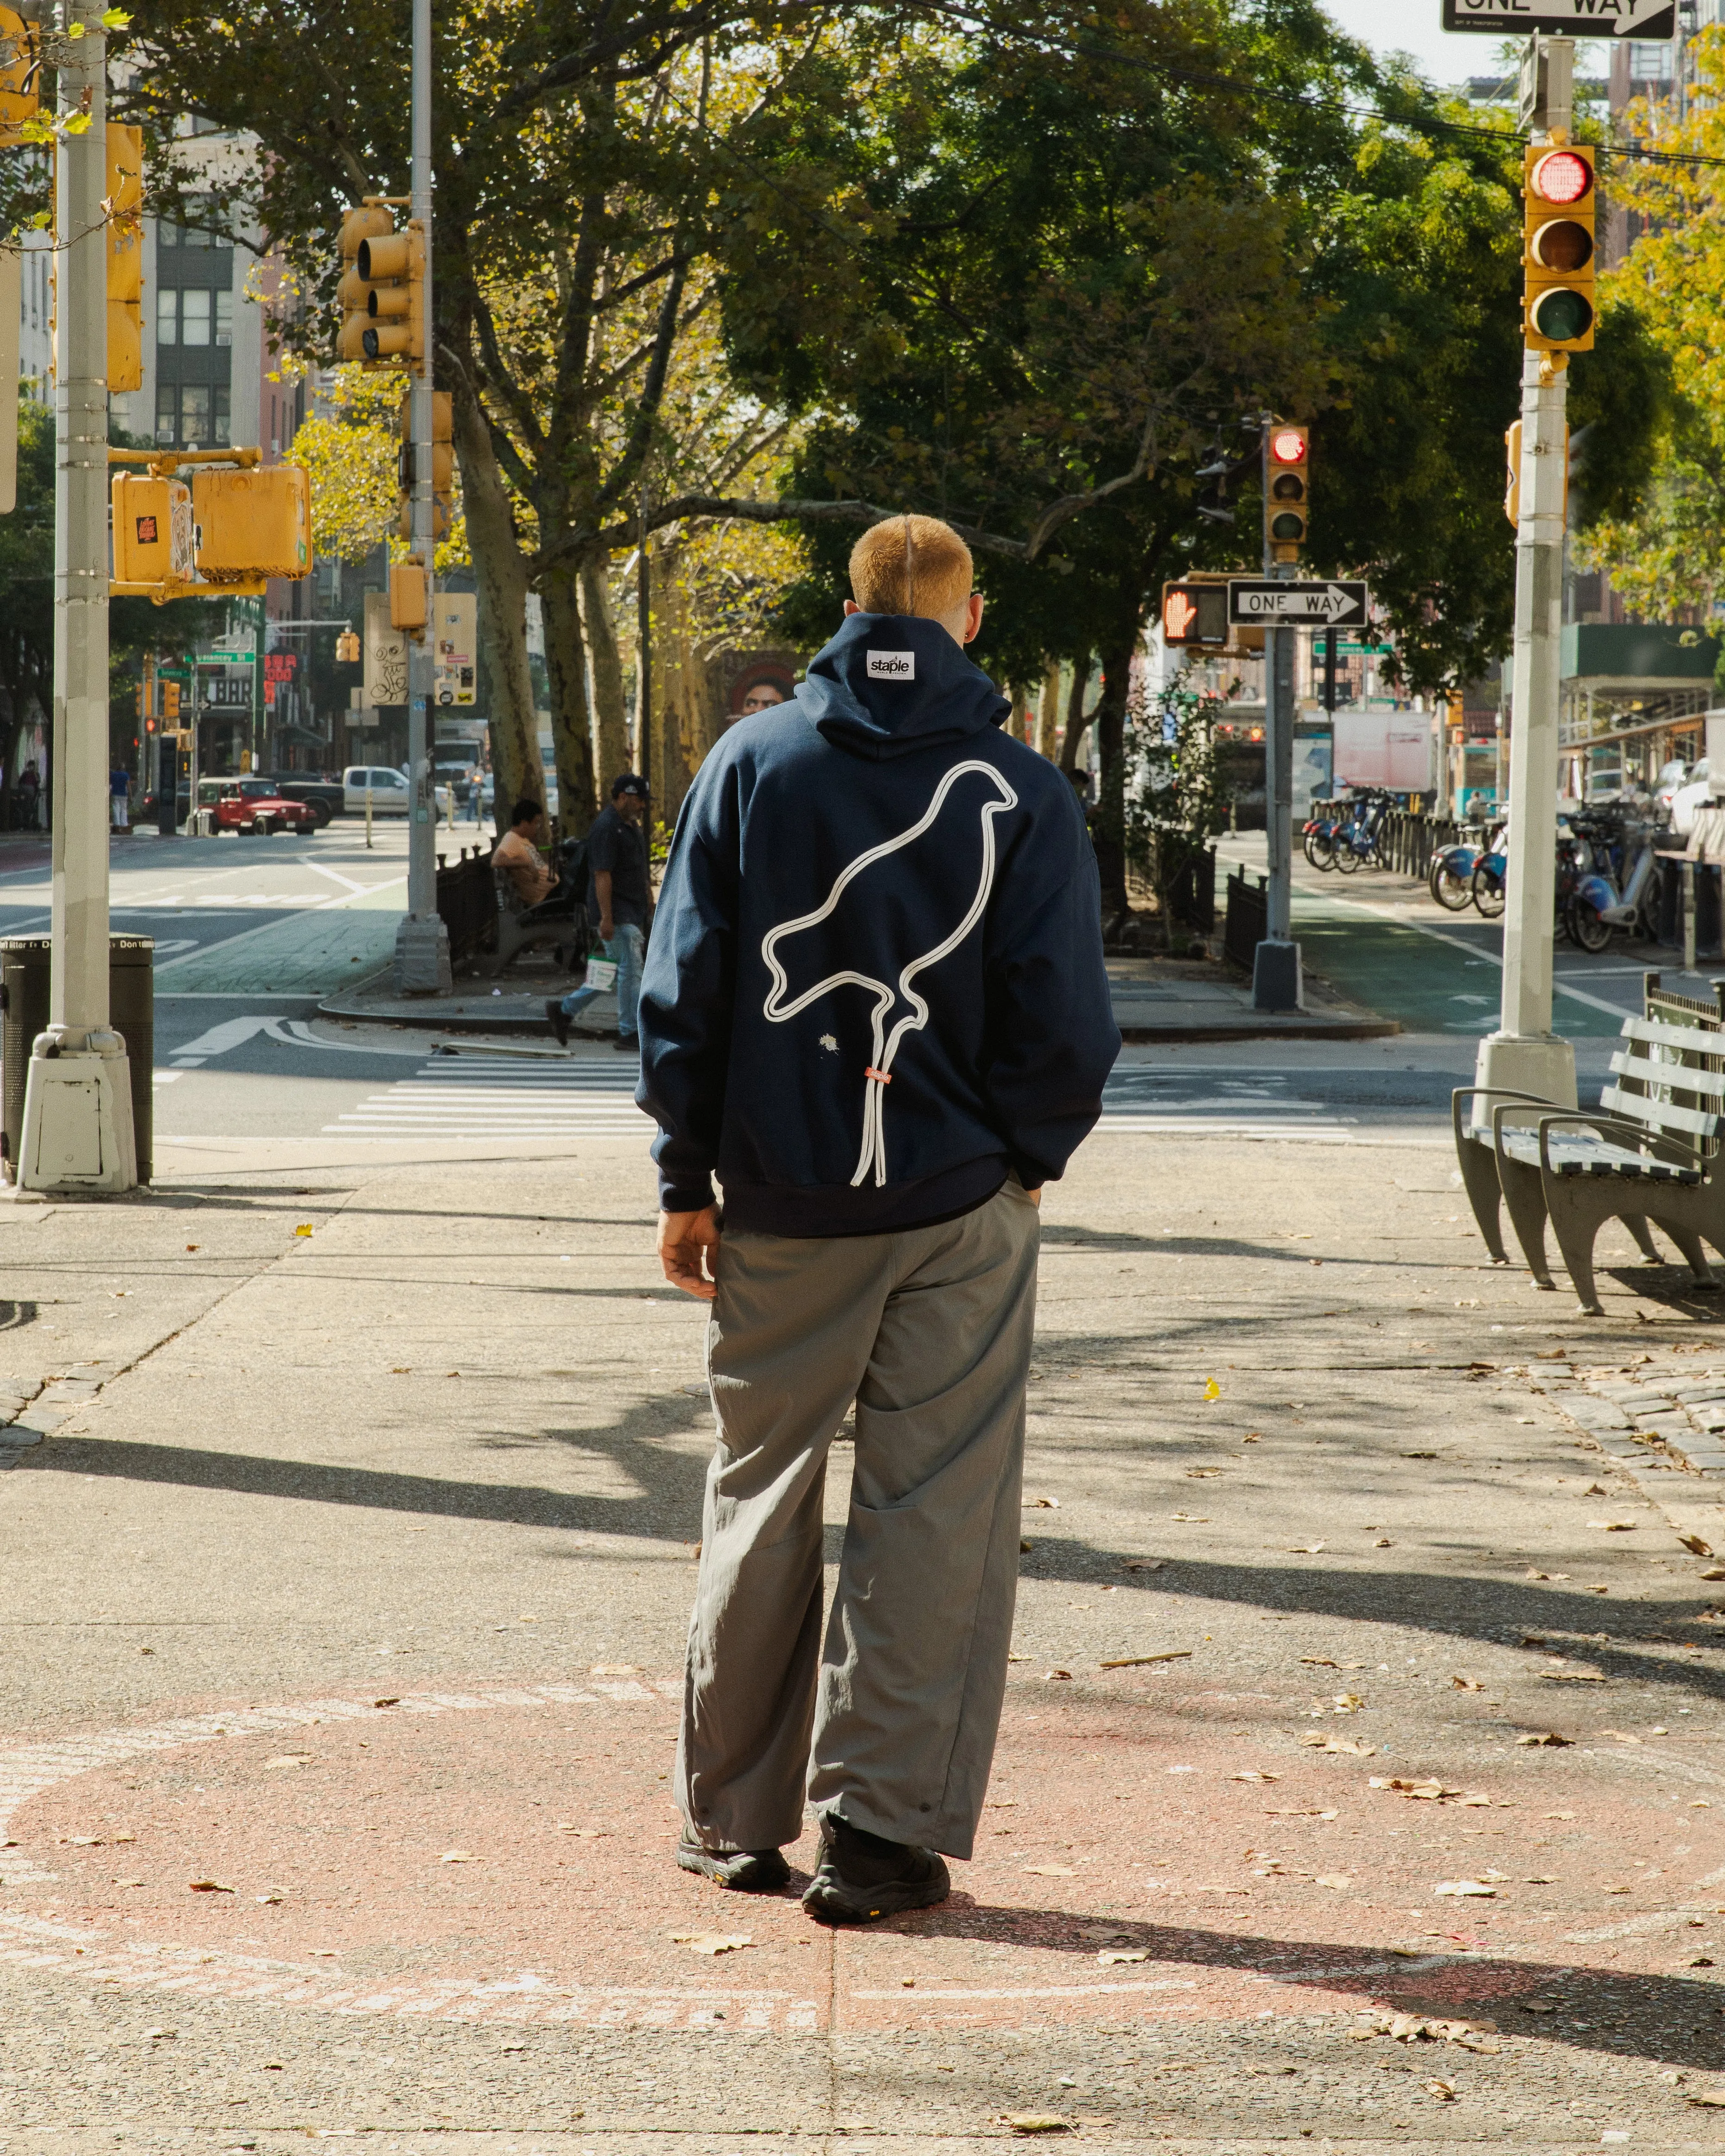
(1648, 1154)
(558, 922)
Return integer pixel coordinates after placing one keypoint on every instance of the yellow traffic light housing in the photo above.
(348, 651)
(392, 265)
(153, 538)
(20, 76)
(1558, 207)
(367, 222)
(252, 525)
(126, 258)
(170, 702)
(1287, 462)
(443, 464)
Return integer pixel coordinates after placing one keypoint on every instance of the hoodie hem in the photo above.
(810, 1213)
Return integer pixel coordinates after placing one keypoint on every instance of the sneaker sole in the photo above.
(765, 1876)
(839, 1904)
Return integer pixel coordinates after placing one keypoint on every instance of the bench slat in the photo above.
(1659, 1115)
(1699, 1040)
(1675, 1075)
(1580, 1154)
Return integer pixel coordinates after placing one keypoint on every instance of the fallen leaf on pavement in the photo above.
(394, 1699)
(1713, 2099)
(1321, 1661)
(1052, 1871)
(1622, 1736)
(1696, 1547)
(1198, 1474)
(1444, 2092)
(1254, 1774)
(1349, 1744)
(268, 1900)
(713, 1942)
(457, 1856)
(1467, 1887)
(586, 1833)
(1333, 1879)
(1714, 1572)
(1432, 1791)
(305, 1229)
(1615, 1526)
(1465, 1683)
(1144, 1564)
(1298, 1811)
(613, 1670)
(1539, 2005)
(1050, 1675)
(1543, 1737)
(1137, 1662)
(1110, 1955)
(1571, 1676)
(1033, 2121)
(1212, 1391)
(1192, 1519)
(1042, 1504)
(208, 1887)
(1304, 1549)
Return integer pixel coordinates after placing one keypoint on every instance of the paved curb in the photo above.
(1663, 1431)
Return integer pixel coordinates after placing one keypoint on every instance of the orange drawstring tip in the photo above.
(880, 1077)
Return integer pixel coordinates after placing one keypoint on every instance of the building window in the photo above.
(167, 424)
(194, 315)
(168, 314)
(221, 430)
(1650, 62)
(194, 412)
(224, 317)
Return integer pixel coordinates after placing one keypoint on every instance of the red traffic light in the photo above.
(1287, 446)
(1561, 177)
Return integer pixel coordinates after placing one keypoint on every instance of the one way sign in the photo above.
(1330, 605)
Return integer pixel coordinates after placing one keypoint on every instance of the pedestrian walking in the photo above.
(875, 1009)
(619, 894)
(30, 796)
(120, 800)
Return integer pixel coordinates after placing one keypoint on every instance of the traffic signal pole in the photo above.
(1524, 1055)
(78, 1124)
(421, 946)
(1276, 962)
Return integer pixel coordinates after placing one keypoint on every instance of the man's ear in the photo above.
(974, 618)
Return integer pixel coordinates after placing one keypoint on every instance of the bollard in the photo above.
(368, 817)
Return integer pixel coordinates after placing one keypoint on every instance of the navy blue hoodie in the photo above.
(876, 981)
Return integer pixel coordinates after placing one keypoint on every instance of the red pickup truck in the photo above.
(253, 804)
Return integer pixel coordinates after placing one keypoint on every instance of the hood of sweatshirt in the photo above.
(890, 684)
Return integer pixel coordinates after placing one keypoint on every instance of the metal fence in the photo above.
(1248, 917)
(1407, 838)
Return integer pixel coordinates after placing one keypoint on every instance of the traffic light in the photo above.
(153, 539)
(1194, 615)
(443, 463)
(126, 258)
(347, 648)
(20, 76)
(170, 703)
(1287, 467)
(1558, 209)
(392, 265)
(368, 221)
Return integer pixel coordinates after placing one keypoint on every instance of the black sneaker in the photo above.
(559, 1019)
(744, 1871)
(627, 1043)
(862, 1875)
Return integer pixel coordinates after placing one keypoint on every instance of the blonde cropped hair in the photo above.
(911, 565)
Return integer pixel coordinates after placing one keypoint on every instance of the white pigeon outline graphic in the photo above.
(878, 1076)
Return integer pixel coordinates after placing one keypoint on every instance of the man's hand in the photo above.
(1035, 1197)
(683, 1239)
(607, 932)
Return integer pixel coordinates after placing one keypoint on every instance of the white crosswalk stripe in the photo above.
(479, 1095)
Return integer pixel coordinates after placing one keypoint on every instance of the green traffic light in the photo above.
(1562, 315)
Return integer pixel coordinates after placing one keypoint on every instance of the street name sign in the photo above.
(1330, 605)
(1644, 20)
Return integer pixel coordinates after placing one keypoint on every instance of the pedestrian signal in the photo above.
(20, 76)
(1287, 456)
(153, 542)
(1194, 615)
(368, 221)
(126, 258)
(1559, 205)
(252, 525)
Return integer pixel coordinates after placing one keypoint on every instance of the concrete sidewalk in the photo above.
(344, 1597)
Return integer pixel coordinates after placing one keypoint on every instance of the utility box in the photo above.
(25, 962)
(252, 524)
(152, 530)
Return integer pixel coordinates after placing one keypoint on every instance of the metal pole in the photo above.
(643, 659)
(421, 948)
(1524, 1055)
(78, 1123)
(1276, 964)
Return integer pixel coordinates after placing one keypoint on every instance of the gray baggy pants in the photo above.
(892, 1725)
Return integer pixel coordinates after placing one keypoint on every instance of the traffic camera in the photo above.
(1287, 454)
(1558, 204)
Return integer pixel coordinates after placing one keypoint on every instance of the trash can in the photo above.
(24, 968)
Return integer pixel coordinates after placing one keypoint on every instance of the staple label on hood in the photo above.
(892, 666)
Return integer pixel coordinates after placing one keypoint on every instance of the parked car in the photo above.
(391, 794)
(326, 795)
(253, 804)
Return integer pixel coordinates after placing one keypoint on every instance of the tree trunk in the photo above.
(1075, 719)
(571, 714)
(610, 712)
(1110, 723)
(501, 576)
(1048, 715)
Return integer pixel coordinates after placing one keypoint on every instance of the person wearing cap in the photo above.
(876, 1011)
(619, 896)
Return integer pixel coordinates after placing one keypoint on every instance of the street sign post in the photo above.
(1328, 605)
(1646, 21)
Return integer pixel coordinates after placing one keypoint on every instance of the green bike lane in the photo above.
(1445, 975)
